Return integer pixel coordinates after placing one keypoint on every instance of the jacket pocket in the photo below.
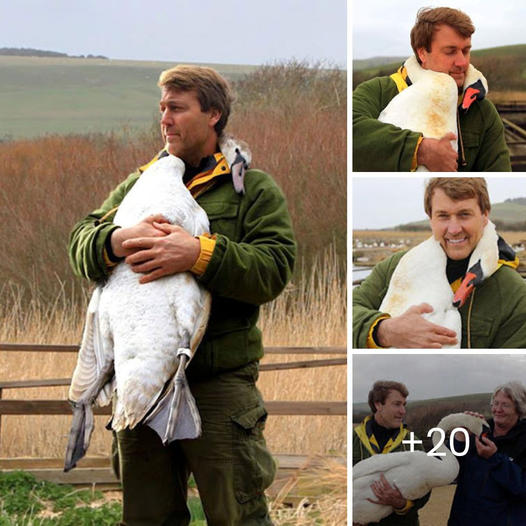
(223, 217)
(471, 144)
(254, 467)
(480, 331)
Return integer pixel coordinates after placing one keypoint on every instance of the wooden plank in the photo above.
(56, 382)
(275, 407)
(43, 407)
(285, 461)
(97, 470)
(27, 463)
(306, 350)
(302, 365)
(34, 347)
(49, 382)
(62, 407)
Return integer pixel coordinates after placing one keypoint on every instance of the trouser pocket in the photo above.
(254, 467)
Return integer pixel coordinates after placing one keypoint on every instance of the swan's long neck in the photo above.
(446, 467)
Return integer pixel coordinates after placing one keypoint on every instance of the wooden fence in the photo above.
(93, 470)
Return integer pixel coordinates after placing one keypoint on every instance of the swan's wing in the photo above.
(93, 356)
(201, 321)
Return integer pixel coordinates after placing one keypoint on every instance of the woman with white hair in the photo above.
(491, 485)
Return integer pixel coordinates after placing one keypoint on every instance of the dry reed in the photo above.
(321, 489)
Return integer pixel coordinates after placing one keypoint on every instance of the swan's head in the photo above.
(472, 423)
(474, 276)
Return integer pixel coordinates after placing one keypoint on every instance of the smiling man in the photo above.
(381, 433)
(493, 307)
(441, 41)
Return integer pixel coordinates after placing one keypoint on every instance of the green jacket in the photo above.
(379, 147)
(498, 308)
(252, 262)
(360, 451)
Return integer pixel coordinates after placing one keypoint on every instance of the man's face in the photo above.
(504, 411)
(187, 131)
(450, 53)
(456, 225)
(391, 413)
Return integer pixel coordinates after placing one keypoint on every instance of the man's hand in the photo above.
(386, 494)
(155, 257)
(411, 330)
(486, 448)
(437, 155)
(145, 228)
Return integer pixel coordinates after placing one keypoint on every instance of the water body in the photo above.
(360, 273)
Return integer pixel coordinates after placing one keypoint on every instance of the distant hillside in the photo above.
(423, 415)
(50, 94)
(30, 52)
(374, 62)
(359, 408)
(504, 67)
(509, 215)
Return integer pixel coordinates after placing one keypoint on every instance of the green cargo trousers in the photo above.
(230, 462)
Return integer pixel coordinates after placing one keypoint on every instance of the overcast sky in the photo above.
(214, 31)
(380, 202)
(436, 375)
(382, 27)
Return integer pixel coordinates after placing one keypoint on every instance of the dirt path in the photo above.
(436, 511)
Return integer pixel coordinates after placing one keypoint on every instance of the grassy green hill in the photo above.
(41, 95)
(375, 62)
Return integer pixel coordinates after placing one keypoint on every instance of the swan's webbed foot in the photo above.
(176, 416)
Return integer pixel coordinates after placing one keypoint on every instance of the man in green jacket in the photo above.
(494, 316)
(245, 262)
(381, 433)
(441, 41)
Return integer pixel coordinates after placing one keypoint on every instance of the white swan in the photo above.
(428, 105)
(139, 338)
(413, 473)
(420, 277)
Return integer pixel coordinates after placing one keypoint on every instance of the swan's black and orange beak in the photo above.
(473, 277)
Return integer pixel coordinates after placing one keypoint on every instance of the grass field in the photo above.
(66, 95)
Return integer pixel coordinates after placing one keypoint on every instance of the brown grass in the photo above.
(506, 96)
(293, 118)
(322, 489)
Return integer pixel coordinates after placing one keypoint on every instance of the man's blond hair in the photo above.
(213, 90)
